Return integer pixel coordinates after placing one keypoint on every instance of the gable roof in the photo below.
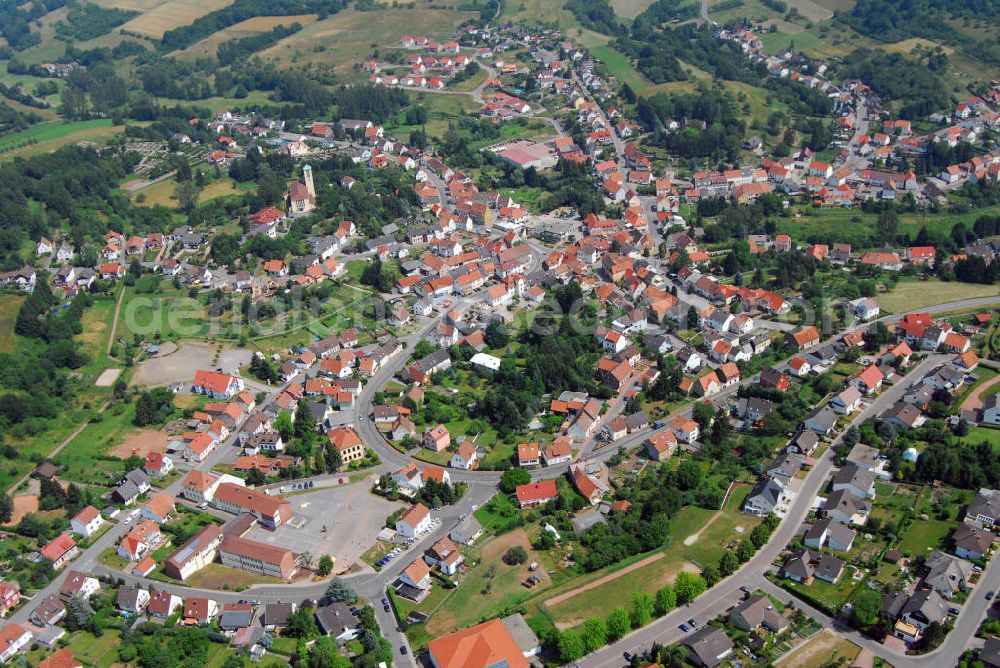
(487, 645)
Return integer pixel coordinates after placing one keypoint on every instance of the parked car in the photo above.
(684, 628)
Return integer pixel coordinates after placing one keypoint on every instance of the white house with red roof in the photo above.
(60, 550)
(87, 522)
(415, 521)
(158, 464)
(216, 385)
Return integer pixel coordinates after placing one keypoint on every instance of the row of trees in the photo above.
(597, 632)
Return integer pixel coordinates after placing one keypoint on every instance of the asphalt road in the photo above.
(727, 592)
(482, 485)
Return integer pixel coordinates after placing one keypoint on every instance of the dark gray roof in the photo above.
(127, 599)
(928, 605)
(637, 420)
(990, 653)
(806, 440)
(137, 476)
(829, 566)
(851, 474)
(892, 604)
(823, 416)
(276, 614)
(126, 491)
(236, 616)
(432, 360)
(765, 493)
(708, 643)
(845, 501)
(903, 412)
(986, 503)
(335, 619)
(798, 565)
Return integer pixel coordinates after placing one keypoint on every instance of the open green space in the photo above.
(714, 538)
(830, 597)
(91, 650)
(984, 435)
(925, 535)
(85, 458)
(910, 294)
(552, 13)
(9, 304)
(619, 67)
(48, 136)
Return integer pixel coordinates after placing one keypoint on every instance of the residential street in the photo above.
(727, 591)
(483, 485)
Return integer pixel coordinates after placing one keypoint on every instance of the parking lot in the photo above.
(352, 518)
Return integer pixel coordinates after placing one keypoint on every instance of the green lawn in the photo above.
(989, 435)
(829, 596)
(90, 650)
(984, 374)
(924, 535)
(911, 294)
(497, 514)
(85, 458)
(713, 541)
(619, 67)
(93, 342)
(9, 304)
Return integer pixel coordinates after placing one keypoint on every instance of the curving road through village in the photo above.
(483, 484)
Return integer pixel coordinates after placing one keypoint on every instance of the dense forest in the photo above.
(595, 15)
(563, 360)
(36, 375)
(72, 184)
(241, 49)
(88, 21)
(918, 84)
(16, 19)
(897, 20)
(720, 139)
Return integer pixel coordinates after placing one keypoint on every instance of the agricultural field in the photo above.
(49, 136)
(159, 16)
(9, 304)
(629, 9)
(343, 40)
(546, 12)
(619, 67)
(207, 47)
(161, 193)
(915, 294)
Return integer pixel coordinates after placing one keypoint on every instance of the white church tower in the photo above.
(307, 176)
